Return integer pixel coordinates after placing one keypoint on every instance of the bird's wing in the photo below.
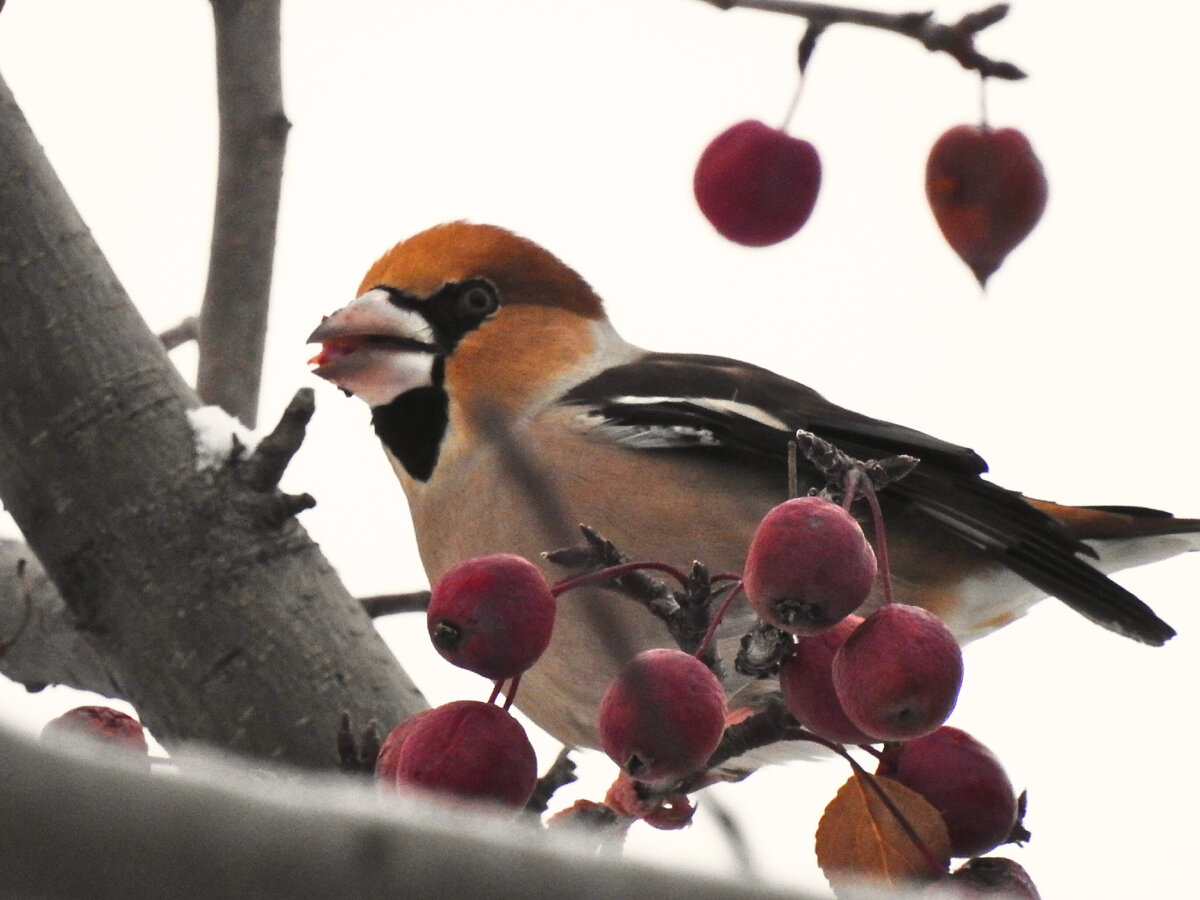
(694, 403)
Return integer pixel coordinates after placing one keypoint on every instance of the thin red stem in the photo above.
(881, 548)
(717, 617)
(611, 572)
(888, 802)
(511, 694)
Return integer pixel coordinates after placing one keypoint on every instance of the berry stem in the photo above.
(793, 470)
(983, 106)
(869, 779)
(881, 548)
(793, 104)
(511, 694)
(611, 572)
(716, 619)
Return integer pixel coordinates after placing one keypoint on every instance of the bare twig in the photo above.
(391, 604)
(187, 330)
(253, 132)
(956, 40)
(560, 774)
(687, 613)
(45, 644)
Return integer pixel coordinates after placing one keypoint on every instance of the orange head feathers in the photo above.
(520, 270)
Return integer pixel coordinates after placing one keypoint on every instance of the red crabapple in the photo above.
(101, 722)
(469, 750)
(987, 191)
(492, 615)
(986, 876)
(806, 681)
(898, 673)
(809, 566)
(389, 750)
(756, 184)
(963, 780)
(662, 716)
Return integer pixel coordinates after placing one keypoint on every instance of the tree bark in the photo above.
(222, 620)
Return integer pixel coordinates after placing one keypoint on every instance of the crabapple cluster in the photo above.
(492, 615)
(893, 676)
(757, 185)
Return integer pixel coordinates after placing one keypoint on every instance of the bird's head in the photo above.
(473, 307)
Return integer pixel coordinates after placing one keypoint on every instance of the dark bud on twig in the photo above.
(837, 466)
(762, 650)
(808, 43)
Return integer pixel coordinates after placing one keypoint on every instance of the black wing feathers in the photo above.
(946, 485)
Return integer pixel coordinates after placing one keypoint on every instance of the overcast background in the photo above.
(578, 124)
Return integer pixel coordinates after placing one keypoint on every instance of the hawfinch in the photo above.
(511, 410)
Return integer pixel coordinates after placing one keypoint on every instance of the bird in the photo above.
(511, 409)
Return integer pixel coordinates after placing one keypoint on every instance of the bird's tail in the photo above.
(1126, 536)
(1122, 537)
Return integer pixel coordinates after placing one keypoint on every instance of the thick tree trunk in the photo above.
(222, 620)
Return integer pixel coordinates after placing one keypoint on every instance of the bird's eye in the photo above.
(477, 301)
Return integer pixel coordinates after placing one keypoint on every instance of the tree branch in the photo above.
(178, 335)
(51, 649)
(956, 40)
(80, 826)
(253, 134)
(219, 623)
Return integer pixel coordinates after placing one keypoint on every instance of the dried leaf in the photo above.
(860, 840)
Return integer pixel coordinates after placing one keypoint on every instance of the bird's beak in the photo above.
(372, 340)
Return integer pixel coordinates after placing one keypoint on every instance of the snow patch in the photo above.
(216, 432)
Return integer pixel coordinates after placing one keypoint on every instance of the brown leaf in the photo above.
(860, 840)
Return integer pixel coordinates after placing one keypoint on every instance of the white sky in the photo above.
(578, 124)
